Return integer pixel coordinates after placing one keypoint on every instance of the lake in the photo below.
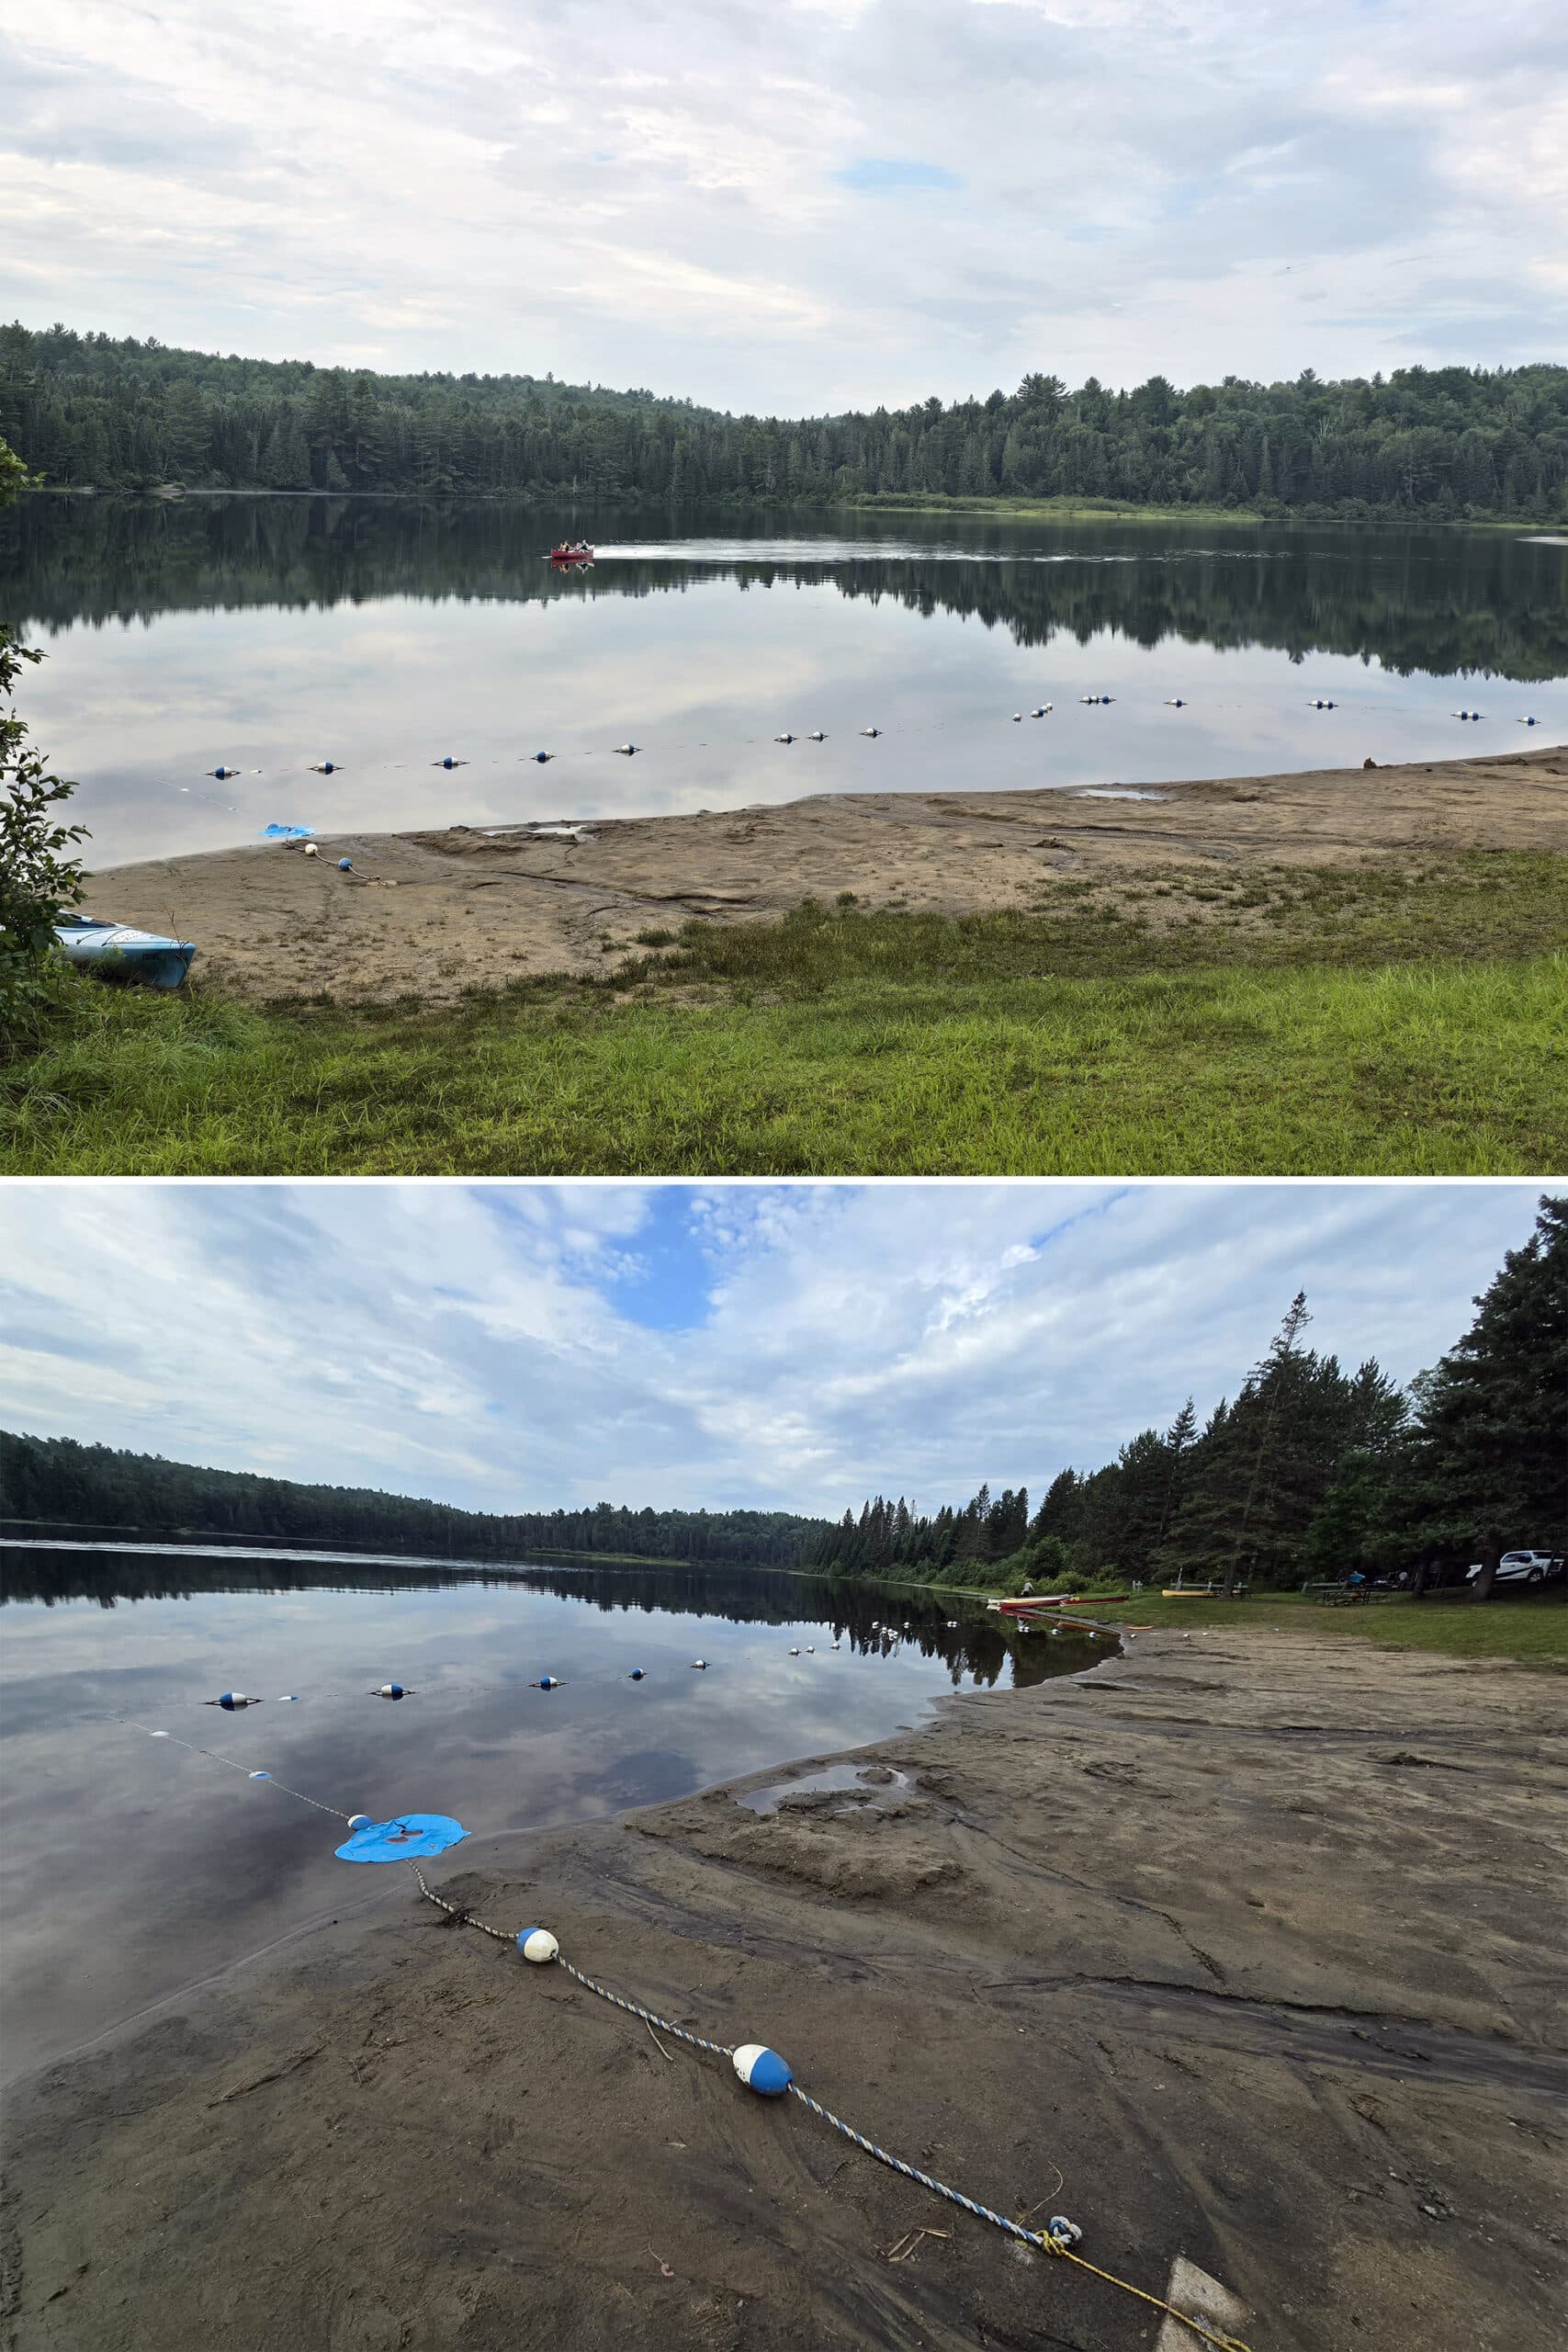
(135, 1867)
(385, 634)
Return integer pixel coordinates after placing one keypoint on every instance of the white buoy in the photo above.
(699, 1666)
(310, 850)
(538, 1945)
(810, 1649)
(763, 2070)
(157, 1735)
(794, 1652)
(838, 1646)
(1017, 719)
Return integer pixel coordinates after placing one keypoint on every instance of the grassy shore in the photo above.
(1116, 510)
(1533, 1632)
(1347, 1020)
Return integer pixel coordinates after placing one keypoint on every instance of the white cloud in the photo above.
(493, 1345)
(654, 198)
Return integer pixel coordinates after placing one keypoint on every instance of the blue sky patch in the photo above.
(885, 174)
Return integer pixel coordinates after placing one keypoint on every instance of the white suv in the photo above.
(1530, 1568)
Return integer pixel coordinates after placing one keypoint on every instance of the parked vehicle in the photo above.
(1523, 1567)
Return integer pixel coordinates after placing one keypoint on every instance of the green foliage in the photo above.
(1307, 1474)
(1446, 442)
(14, 476)
(54, 1478)
(1488, 1466)
(39, 877)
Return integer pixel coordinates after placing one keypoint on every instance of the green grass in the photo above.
(1343, 1024)
(1532, 1631)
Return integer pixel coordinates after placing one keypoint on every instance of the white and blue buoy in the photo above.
(699, 1666)
(1176, 702)
(289, 1699)
(1097, 698)
(763, 2070)
(627, 749)
(1467, 714)
(357, 1821)
(1319, 704)
(260, 1776)
(448, 762)
(232, 1700)
(1042, 709)
(223, 774)
(636, 1675)
(817, 736)
(541, 756)
(538, 1945)
(871, 730)
(1529, 722)
(783, 739)
(390, 1691)
(548, 1682)
(326, 767)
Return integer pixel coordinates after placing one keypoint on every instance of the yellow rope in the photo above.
(1222, 2343)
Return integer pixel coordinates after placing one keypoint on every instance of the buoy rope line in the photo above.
(333, 1811)
(1056, 2239)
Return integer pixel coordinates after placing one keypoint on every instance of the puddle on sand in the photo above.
(877, 1782)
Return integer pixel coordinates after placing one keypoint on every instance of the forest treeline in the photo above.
(1488, 604)
(53, 1478)
(93, 411)
(1311, 1471)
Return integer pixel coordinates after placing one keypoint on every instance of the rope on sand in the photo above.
(764, 2071)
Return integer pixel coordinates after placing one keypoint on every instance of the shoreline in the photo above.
(1118, 1945)
(433, 915)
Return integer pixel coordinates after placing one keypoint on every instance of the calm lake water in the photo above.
(386, 635)
(134, 1869)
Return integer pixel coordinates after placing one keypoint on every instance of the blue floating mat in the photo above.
(407, 1839)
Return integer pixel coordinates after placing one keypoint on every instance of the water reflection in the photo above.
(134, 1867)
(274, 635)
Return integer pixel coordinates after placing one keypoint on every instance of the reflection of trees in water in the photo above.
(978, 1646)
(1418, 601)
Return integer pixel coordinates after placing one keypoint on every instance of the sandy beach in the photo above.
(1243, 1950)
(434, 913)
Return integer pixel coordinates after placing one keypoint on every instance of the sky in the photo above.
(796, 206)
(521, 1346)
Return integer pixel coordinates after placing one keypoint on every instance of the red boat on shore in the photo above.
(579, 552)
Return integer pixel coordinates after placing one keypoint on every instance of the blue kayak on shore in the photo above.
(117, 951)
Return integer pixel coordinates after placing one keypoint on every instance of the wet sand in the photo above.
(431, 913)
(1245, 1950)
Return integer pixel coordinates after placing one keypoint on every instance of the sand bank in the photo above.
(1245, 1950)
(431, 913)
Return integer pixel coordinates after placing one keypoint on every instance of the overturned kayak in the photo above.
(116, 950)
